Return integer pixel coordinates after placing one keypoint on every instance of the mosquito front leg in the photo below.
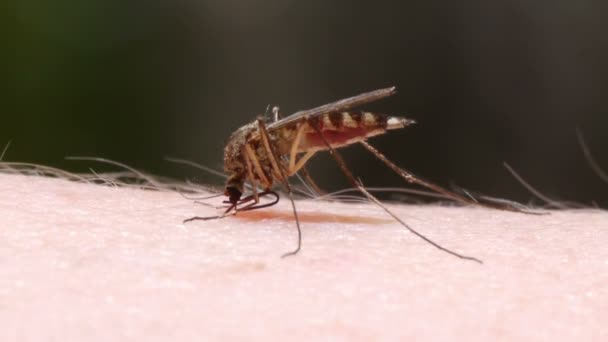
(272, 155)
(255, 205)
(256, 164)
(270, 152)
(233, 209)
(228, 212)
(254, 183)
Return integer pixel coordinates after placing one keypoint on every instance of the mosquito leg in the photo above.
(357, 184)
(255, 198)
(295, 167)
(272, 155)
(411, 178)
(208, 205)
(232, 209)
(301, 162)
(294, 147)
(254, 206)
(254, 183)
(256, 164)
(228, 212)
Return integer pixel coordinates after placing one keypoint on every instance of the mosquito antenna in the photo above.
(590, 160)
(5, 149)
(357, 184)
(532, 190)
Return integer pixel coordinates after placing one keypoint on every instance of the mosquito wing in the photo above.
(340, 105)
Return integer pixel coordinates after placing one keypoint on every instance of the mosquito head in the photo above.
(394, 122)
(233, 194)
(234, 187)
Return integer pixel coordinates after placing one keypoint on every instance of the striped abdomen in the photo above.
(345, 128)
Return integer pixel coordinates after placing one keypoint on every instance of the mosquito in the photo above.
(269, 151)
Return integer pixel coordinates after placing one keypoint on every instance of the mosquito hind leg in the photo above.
(411, 178)
(357, 184)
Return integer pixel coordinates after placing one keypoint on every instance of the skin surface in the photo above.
(83, 262)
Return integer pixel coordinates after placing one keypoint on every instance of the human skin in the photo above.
(84, 262)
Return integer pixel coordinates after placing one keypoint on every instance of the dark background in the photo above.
(135, 81)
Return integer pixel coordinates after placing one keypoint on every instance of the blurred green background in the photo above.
(135, 81)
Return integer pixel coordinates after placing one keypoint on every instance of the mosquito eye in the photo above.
(234, 195)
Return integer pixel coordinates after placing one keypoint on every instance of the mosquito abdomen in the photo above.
(344, 128)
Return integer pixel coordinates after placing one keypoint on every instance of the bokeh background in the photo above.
(488, 81)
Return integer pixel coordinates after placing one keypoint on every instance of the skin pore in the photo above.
(81, 261)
